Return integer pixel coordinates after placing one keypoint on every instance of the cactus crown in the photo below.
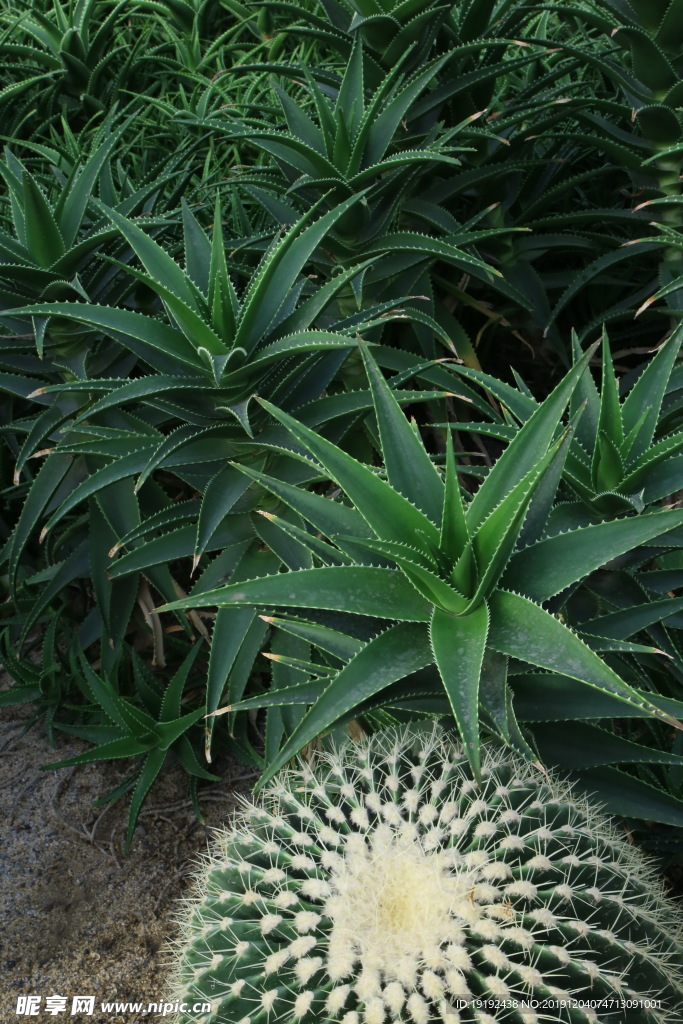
(381, 883)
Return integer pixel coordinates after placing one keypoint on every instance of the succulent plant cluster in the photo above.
(287, 294)
(380, 882)
(419, 598)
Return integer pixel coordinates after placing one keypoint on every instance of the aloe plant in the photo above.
(340, 133)
(637, 50)
(446, 579)
(104, 512)
(345, 138)
(379, 168)
(539, 143)
(74, 56)
(150, 733)
(624, 455)
(49, 253)
(389, 30)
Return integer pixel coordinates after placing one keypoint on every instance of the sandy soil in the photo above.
(76, 916)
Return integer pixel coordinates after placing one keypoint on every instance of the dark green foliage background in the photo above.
(356, 211)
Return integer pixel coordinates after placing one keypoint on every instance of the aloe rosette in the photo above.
(626, 451)
(442, 583)
(380, 882)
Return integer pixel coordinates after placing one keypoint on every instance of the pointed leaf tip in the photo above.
(219, 711)
(645, 305)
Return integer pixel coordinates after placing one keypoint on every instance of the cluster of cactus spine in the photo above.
(381, 883)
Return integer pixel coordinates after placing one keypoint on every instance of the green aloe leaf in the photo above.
(74, 567)
(169, 732)
(390, 656)
(585, 395)
(42, 489)
(656, 457)
(43, 237)
(670, 27)
(160, 345)
(495, 539)
(391, 515)
(608, 466)
(604, 262)
(586, 746)
(73, 203)
(128, 746)
(310, 308)
(383, 119)
(222, 298)
(230, 634)
(160, 267)
(197, 250)
(293, 552)
(171, 703)
(545, 492)
(524, 451)
(131, 718)
(650, 64)
(459, 644)
(127, 465)
(279, 270)
(324, 552)
(328, 516)
(494, 691)
(178, 544)
(413, 241)
(326, 639)
(220, 495)
(298, 693)
(409, 468)
(630, 797)
(299, 123)
(154, 762)
(412, 564)
(283, 146)
(628, 621)
(609, 420)
(454, 534)
(546, 697)
(118, 392)
(360, 590)
(549, 566)
(192, 324)
(526, 631)
(302, 341)
(661, 580)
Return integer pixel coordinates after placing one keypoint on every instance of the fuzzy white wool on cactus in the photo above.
(425, 898)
